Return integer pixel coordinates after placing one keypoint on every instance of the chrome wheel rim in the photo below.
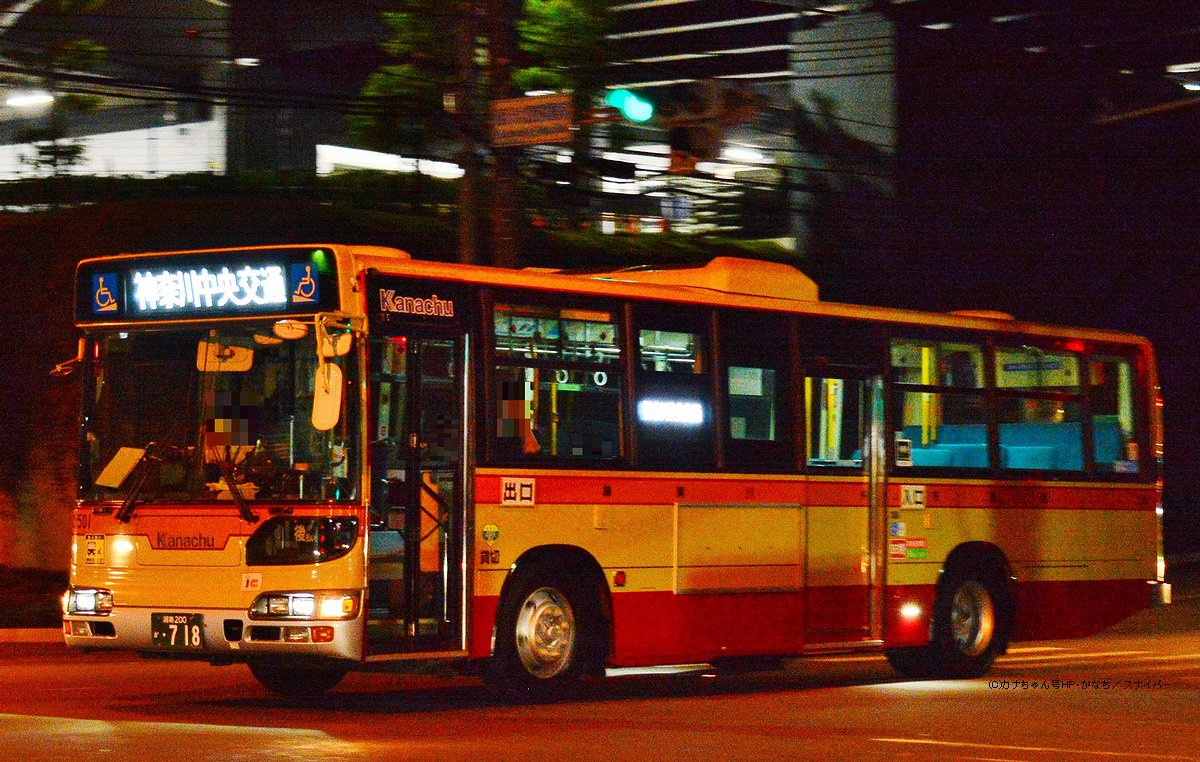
(972, 618)
(545, 632)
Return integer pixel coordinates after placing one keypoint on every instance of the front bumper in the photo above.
(228, 635)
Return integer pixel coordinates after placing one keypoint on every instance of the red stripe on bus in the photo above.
(662, 627)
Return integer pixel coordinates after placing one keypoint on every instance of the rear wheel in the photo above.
(297, 682)
(969, 627)
(548, 634)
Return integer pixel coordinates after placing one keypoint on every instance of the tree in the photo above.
(427, 89)
(63, 51)
(567, 47)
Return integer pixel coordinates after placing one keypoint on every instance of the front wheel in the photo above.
(297, 682)
(547, 635)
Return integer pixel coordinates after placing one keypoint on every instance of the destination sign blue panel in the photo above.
(285, 281)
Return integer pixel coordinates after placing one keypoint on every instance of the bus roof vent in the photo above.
(989, 314)
(731, 275)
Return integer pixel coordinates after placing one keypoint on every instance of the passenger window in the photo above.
(1033, 369)
(752, 404)
(675, 421)
(942, 429)
(835, 421)
(557, 391)
(670, 351)
(1039, 413)
(549, 333)
(941, 417)
(1111, 387)
(937, 363)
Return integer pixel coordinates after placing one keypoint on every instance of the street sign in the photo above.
(531, 120)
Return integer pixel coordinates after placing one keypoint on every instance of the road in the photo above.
(1130, 693)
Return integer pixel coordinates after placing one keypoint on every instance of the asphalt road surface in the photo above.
(1130, 693)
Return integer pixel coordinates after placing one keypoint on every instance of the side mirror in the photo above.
(213, 356)
(327, 396)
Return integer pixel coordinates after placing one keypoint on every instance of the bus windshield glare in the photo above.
(212, 415)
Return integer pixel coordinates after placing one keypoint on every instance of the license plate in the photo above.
(181, 632)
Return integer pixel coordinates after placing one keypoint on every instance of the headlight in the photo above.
(328, 604)
(93, 601)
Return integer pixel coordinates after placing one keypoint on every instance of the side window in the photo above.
(835, 421)
(1039, 409)
(674, 389)
(1112, 391)
(556, 384)
(752, 404)
(754, 352)
(670, 351)
(939, 404)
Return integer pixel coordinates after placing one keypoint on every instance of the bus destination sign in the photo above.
(220, 284)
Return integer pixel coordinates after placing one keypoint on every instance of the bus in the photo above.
(317, 458)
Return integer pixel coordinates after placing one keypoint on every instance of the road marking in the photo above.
(1054, 657)
(1039, 749)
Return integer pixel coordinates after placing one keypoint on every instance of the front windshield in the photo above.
(200, 414)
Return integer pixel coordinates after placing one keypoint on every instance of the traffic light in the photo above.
(632, 106)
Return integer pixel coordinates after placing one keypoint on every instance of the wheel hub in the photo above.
(545, 632)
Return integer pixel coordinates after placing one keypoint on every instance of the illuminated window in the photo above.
(1112, 394)
(670, 351)
(551, 333)
(556, 385)
(835, 421)
(1039, 409)
(674, 408)
(940, 410)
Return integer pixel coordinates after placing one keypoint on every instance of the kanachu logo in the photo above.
(389, 301)
(167, 541)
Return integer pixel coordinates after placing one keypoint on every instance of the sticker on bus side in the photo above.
(912, 496)
(93, 549)
(517, 491)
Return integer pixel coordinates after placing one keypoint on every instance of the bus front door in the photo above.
(415, 564)
(844, 510)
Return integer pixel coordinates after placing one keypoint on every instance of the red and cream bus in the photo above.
(312, 459)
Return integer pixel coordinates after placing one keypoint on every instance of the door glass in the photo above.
(835, 420)
(416, 457)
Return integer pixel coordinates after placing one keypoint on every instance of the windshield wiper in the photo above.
(149, 455)
(243, 507)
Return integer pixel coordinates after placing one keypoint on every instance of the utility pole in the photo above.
(466, 113)
(505, 210)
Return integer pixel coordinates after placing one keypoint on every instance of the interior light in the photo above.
(248, 61)
(670, 411)
(938, 26)
(27, 99)
(1193, 86)
(1184, 68)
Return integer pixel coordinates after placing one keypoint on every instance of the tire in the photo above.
(548, 635)
(297, 682)
(970, 627)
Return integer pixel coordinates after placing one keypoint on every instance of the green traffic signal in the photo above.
(631, 105)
